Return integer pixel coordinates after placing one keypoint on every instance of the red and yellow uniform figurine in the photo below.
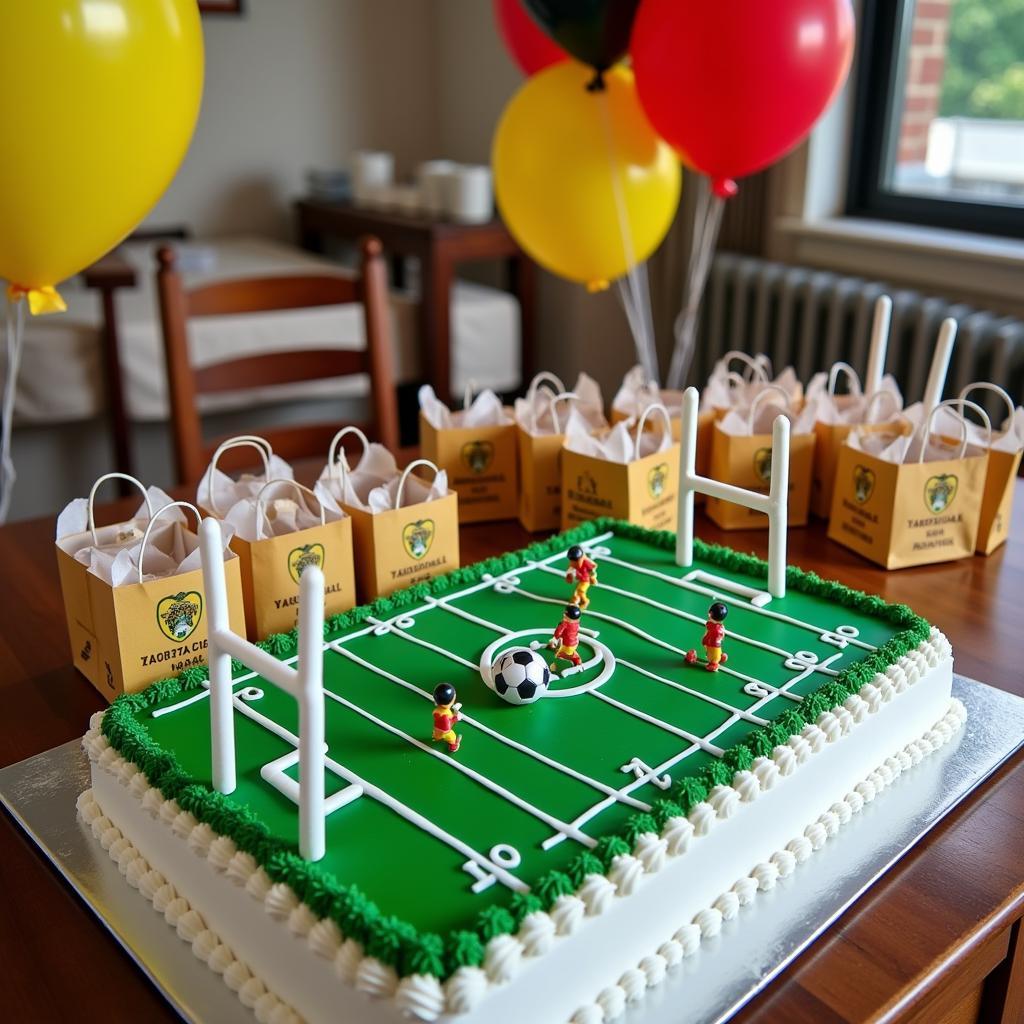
(446, 714)
(714, 635)
(584, 572)
(566, 638)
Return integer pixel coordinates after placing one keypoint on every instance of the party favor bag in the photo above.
(636, 393)
(77, 538)
(837, 416)
(626, 472)
(279, 527)
(906, 496)
(406, 529)
(1004, 456)
(541, 420)
(149, 604)
(477, 449)
(741, 455)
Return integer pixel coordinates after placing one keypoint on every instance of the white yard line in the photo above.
(771, 613)
(501, 737)
(666, 726)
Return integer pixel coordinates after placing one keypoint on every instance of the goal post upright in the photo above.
(310, 696)
(775, 504)
(222, 724)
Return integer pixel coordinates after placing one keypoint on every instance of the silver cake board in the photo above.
(708, 988)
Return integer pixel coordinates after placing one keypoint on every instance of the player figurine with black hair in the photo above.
(446, 714)
(714, 634)
(584, 572)
(566, 638)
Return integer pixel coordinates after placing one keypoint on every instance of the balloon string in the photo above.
(634, 288)
(707, 221)
(15, 335)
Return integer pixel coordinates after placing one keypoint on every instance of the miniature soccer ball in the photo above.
(520, 675)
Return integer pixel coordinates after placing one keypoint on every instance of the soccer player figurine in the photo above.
(566, 637)
(446, 714)
(584, 572)
(714, 634)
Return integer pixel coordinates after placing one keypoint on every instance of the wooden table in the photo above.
(440, 246)
(937, 941)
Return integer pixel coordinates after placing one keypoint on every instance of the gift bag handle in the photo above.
(261, 444)
(984, 385)
(405, 476)
(962, 404)
(467, 394)
(553, 400)
(753, 366)
(340, 466)
(152, 523)
(874, 399)
(759, 398)
(92, 498)
(852, 379)
(653, 407)
(261, 509)
(555, 385)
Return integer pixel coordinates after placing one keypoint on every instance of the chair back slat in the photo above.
(260, 295)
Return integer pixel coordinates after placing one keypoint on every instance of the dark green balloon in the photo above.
(593, 31)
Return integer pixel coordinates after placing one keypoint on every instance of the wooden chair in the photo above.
(257, 295)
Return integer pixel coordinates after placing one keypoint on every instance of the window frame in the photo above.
(879, 78)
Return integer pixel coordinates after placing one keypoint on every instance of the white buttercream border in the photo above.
(424, 997)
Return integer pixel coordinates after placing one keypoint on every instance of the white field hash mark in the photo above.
(396, 625)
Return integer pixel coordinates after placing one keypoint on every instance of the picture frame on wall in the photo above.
(220, 6)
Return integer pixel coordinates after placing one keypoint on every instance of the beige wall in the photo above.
(300, 83)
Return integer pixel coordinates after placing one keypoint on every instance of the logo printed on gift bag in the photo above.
(763, 464)
(863, 483)
(477, 455)
(656, 480)
(178, 615)
(300, 559)
(939, 492)
(586, 484)
(417, 537)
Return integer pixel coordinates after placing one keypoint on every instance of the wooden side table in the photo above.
(440, 246)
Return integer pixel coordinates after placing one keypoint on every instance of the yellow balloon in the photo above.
(99, 100)
(582, 181)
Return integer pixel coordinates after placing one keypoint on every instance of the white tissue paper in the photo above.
(339, 485)
(1007, 436)
(849, 409)
(485, 410)
(281, 509)
(537, 413)
(618, 444)
(74, 518)
(382, 498)
(727, 389)
(738, 421)
(636, 393)
(901, 440)
(219, 492)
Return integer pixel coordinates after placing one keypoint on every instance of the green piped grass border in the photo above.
(398, 943)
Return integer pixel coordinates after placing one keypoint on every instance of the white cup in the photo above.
(371, 171)
(433, 176)
(470, 195)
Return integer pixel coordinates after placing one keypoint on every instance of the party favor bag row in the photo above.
(405, 528)
(907, 496)
(626, 472)
(542, 419)
(133, 592)
(278, 528)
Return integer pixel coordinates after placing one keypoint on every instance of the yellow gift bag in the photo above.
(279, 527)
(1004, 456)
(627, 473)
(401, 541)
(909, 497)
(476, 447)
(151, 628)
(75, 546)
(540, 426)
(743, 458)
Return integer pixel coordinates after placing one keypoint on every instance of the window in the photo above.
(939, 118)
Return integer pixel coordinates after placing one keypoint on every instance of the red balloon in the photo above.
(529, 46)
(735, 85)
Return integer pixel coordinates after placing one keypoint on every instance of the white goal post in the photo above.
(775, 504)
(304, 683)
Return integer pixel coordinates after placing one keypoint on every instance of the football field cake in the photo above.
(502, 842)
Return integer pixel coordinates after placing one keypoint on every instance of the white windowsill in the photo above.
(980, 268)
